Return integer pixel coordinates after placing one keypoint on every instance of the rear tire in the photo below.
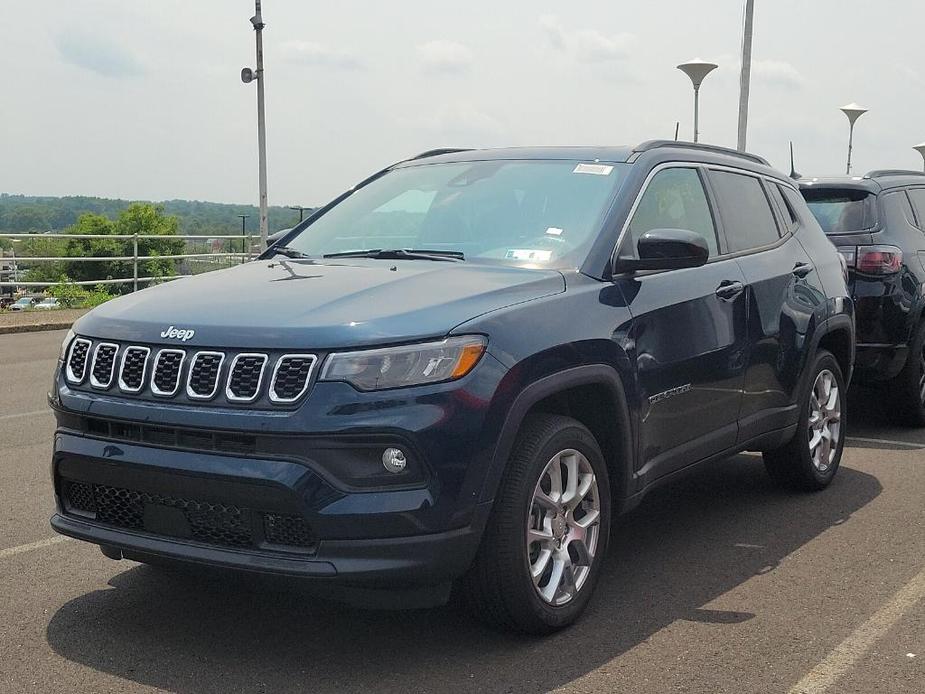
(542, 584)
(907, 390)
(809, 461)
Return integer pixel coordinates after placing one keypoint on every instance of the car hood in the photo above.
(284, 304)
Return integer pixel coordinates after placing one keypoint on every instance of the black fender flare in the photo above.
(840, 321)
(560, 381)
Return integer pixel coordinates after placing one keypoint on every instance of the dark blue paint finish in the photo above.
(678, 374)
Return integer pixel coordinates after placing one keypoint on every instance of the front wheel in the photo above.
(542, 550)
(809, 461)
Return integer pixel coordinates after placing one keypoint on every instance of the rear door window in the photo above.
(842, 210)
(745, 210)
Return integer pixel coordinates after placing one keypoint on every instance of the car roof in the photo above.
(873, 181)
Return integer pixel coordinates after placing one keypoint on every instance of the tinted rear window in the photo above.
(842, 210)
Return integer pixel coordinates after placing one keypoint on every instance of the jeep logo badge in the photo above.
(173, 333)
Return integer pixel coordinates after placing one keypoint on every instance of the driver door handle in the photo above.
(729, 290)
(802, 269)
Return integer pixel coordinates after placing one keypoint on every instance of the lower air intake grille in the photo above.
(290, 378)
(134, 361)
(227, 525)
(246, 374)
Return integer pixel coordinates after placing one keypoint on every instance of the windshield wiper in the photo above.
(288, 252)
(400, 254)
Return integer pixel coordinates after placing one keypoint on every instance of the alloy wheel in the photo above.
(824, 420)
(563, 527)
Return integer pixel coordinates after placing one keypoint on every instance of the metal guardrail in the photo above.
(135, 280)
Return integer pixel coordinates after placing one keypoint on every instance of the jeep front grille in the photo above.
(245, 377)
(76, 367)
(165, 379)
(132, 370)
(204, 372)
(104, 365)
(291, 376)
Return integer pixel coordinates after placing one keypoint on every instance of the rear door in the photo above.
(784, 294)
(688, 334)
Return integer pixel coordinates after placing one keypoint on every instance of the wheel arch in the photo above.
(837, 336)
(593, 395)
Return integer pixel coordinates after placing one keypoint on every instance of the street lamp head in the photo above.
(920, 149)
(697, 70)
(853, 111)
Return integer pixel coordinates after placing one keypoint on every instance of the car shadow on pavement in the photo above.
(688, 544)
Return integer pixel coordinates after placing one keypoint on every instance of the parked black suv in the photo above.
(458, 372)
(877, 223)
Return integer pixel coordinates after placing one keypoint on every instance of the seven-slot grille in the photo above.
(104, 365)
(204, 371)
(135, 368)
(290, 377)
(77, 360)
(245, 377)
(132, 370)
(166, 377)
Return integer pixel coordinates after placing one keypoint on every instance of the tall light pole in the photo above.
(248, 76)
(697, 69)
(853, 112)
(921, 150)
(745, 78)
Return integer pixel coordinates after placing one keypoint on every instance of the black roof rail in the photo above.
(656, 144)
(438, 152)
(882, 173)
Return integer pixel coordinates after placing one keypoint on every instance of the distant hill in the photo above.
(27, 213)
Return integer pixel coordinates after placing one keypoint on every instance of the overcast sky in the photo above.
(142, 99)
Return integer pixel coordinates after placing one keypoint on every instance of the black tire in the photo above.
(907, 390)
(499, 588)
(791, 466)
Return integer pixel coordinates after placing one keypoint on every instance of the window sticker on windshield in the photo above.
(535, 254)
(596, 169)
(554, 231)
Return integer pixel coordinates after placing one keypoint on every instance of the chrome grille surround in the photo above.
(94, 381)
(129, 350)
(312, 362)
(76, 345)
(194, 364)
(229, 393)
(156, 372)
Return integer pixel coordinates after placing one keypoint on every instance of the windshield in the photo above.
(842, 210)
(515, 212)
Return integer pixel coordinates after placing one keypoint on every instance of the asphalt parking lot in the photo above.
(718, 583)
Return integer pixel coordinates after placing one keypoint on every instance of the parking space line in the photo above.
(891, 442)
(12, 551)
(849, 651)
(24, 414)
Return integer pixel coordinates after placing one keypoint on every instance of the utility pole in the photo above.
(247, 76)
(244, 218)
(745, 78)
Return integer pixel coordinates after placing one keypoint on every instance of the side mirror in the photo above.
(665, 249)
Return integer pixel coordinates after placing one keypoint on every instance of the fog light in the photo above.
(393, 459)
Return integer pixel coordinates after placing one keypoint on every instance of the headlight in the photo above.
(64, 345)
(409, 365)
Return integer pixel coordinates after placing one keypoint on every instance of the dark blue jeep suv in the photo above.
(458, 372)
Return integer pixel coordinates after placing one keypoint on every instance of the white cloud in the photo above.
(778, 73)
(585, 45)
(444, 57)
(464, 124)
(316, 54)
(97, 53)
